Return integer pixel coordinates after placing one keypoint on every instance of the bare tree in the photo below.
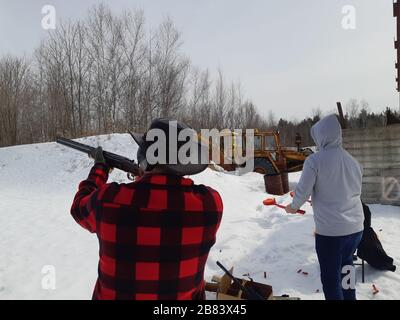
(220, 102)
(171, 69)
(271, 120)
(352, 108)
(107, 73)
(13, 94)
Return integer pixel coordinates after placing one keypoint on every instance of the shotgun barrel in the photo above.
(112, 159)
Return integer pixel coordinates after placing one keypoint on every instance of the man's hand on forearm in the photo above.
(97, 155)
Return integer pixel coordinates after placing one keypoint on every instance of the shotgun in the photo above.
(112, 159)
(251, 294)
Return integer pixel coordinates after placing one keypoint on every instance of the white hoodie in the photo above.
(333, 178)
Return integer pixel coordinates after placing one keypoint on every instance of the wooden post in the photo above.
(341, 116)
(396, 14)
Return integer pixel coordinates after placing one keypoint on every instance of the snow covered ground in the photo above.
(38, 182)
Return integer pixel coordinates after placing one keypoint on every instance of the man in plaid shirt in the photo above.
(155, 233)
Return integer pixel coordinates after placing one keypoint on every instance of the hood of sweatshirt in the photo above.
(327, 133)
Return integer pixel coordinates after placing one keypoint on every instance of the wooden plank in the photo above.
(374, 144)
(370, 200)
(390, 203)
(378, 153)
(372, 189)
(375, 179)
(380, 165)
(393, 129)
(379, 172)
(371, 137)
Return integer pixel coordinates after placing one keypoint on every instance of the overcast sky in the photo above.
(290, 56)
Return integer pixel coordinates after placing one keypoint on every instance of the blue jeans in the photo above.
(334, 253)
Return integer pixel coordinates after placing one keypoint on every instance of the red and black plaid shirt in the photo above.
(154, 234)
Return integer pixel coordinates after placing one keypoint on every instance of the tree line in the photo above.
(109, 73)
(357, 116)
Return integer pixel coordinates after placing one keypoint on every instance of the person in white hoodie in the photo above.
(333, 179)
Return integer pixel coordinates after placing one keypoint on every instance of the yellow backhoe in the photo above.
(269, 155)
